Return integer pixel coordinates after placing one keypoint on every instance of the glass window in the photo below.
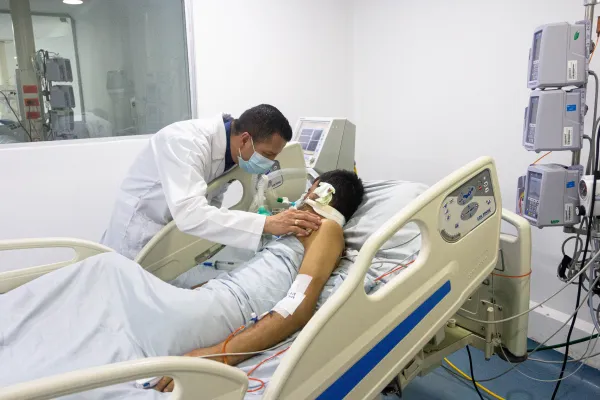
(105, 68)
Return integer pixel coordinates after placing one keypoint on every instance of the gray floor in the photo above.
(442, 385)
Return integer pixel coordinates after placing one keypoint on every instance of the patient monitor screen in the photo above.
(312, 135)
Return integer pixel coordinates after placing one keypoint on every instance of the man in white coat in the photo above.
(169, 179)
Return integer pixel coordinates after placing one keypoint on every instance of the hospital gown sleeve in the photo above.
(182, 160)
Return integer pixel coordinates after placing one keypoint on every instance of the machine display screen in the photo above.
(309, 138)
(535, 185)
(533, 107)
(537, 39)
(534, 188)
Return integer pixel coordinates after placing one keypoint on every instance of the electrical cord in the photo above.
(560, 362)
(16, 116)
(461, 374)
(472, 375)
(560, 379)
(539, 346)
(558, 346)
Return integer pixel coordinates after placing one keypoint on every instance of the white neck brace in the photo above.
(327, 212)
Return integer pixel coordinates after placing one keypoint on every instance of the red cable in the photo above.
(262, 384)
(394, 270)
(513, 276)
(224, 350)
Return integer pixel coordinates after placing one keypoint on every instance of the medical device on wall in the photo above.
(328, 143)
(58, 69)
(60, 97)
(558, 55)
(554, 120)
(551, 195)
(585, 197)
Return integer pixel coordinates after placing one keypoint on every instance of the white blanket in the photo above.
(107, 309)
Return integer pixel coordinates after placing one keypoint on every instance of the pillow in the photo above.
(383, 200)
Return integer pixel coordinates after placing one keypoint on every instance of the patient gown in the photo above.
(107, 309)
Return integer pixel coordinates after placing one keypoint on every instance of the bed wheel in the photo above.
(393, 389)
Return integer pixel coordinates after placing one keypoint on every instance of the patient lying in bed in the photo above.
(108, 309)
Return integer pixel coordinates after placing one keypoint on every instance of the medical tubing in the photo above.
(567, 284)
(587, 243)
(540, 345)
(592, 153)
(549, 380)
(558, 346)
(582, 358)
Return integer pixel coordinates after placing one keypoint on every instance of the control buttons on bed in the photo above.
(449, 237)
(469, 211)
(466, 207)
(465, 195)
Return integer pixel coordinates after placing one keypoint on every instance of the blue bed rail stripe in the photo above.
(352, 377)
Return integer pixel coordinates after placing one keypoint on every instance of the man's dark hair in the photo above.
(262, 122)
(349, 191)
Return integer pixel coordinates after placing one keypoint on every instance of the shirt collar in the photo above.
(228, 158)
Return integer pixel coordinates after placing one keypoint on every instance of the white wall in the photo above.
(295, 55)
(60, 189)
(439, 83)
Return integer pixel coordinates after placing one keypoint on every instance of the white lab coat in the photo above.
(168, 181)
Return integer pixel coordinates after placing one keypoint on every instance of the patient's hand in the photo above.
(166, 384)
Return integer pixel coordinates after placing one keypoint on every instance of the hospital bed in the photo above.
(357, 344)
(402, 331)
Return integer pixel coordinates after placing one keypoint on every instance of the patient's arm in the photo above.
(323, 249)
(322, 252)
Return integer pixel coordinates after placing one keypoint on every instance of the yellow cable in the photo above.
(494, 395)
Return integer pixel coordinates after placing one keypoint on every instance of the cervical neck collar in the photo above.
(327, 212)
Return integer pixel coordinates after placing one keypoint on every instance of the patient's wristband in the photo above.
(288, 305)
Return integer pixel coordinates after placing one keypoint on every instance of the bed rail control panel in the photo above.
(467, 207)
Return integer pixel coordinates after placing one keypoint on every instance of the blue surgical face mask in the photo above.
(257, 164)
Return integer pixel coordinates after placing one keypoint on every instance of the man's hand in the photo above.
(300, 223)
(166, 384)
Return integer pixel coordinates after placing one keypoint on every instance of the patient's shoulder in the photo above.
(330, 233)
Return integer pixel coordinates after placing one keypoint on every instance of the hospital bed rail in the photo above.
(191, 376)
(82, 248)
(357, 343)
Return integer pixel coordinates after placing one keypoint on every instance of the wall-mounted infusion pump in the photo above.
(554, 120)
(551, 195)
(558, 55)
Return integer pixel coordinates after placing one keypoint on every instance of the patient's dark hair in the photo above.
(349, 191)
